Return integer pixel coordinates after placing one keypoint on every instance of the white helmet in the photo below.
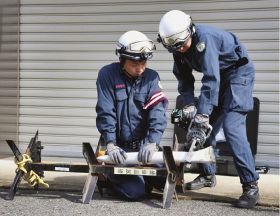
(135, 45)
(175, 28)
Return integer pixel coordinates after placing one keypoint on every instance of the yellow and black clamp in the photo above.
(30, 176)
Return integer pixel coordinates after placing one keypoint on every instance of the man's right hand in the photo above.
(116, 154)
(189, 111)
(202, 121)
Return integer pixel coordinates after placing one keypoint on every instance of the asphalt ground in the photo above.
(60, 203)
(65, 194)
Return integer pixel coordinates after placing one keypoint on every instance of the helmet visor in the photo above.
(177, 40)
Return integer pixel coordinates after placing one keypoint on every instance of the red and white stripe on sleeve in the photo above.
(155, 99)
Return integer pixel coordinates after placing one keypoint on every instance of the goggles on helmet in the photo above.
(175, 41)
(138, 47)
(142, 46)
(140, 50)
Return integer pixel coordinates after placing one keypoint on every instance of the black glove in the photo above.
(116, 154)
(182, 117)
(146, 152)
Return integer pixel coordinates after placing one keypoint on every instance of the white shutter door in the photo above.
(9, 10)
(65, 42)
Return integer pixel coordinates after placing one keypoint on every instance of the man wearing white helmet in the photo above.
(130, 110)
(225, 96)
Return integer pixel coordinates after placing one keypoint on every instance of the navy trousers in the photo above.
(235, 100)
(134, 187)
(234, 125)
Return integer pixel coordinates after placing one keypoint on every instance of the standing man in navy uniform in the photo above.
(131, 110)
(225, 96)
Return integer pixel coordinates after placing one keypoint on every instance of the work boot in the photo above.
(250, 196)
(201, 181)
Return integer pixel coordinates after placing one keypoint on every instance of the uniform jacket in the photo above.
(218, 55)
(129, 109)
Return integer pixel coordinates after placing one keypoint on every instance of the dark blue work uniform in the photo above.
(226, 91)
(130, 113)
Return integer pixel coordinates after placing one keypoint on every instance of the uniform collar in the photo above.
(130, 78)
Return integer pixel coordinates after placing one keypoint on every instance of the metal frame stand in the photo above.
(96, 171)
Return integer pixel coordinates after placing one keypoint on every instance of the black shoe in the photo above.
(250, 196)
(201, 181)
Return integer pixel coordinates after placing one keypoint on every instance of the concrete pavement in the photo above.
(228, 188)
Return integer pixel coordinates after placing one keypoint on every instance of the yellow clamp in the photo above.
(21, 164)
(31, 177)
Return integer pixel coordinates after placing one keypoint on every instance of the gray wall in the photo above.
(9, 37)
(63, 43)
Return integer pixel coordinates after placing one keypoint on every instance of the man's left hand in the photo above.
(146, 152)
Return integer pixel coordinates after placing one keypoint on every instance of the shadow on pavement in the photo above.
(205, 197)
(72, 196)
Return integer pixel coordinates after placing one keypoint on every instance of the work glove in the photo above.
(116, 154)
(201, 121)
(189, 111)
(146, 152)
